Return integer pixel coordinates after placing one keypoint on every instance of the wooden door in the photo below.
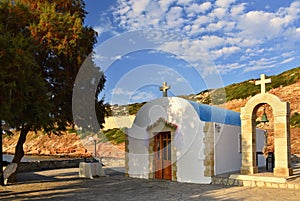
(162, 156)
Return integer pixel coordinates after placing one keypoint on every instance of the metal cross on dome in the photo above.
(164, 88)
(262, 82)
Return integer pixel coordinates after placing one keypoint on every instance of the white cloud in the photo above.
(224, 3)
(257, 24)
(143, 96)
(164, 4)
(212, 27)
(262, 63)
(223, 27)
(266, 25)
(120, 91)
(225, 51)
(219, 12)
(174, 17)
(99, 29)
(288, 54)
(288, 60)
(201, 19)
(225, 68)
(124, 10)
(124, 96)
(184, 2)
(199, 8)
(139, 6)
(212, 41)
(237, 9)
(180, 79)
(205, 6)
(293, 10)
(190, 50)
(258, 67)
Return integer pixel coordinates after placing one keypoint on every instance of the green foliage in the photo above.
(130, 109)
(238, 90)
(7, 134)
(295, 120)
(241, 90)
(72, 130)
(248, 88)
(218, 96)
(115, 135)
(134, 108)
(23, 89)
(43, 44)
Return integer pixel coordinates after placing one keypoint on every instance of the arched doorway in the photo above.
(162, 155)
(281, 113)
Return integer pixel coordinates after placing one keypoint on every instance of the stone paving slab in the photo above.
(64, 184)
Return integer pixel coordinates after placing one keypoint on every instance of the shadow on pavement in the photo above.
(66, 185)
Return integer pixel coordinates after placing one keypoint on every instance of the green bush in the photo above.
(248, 88)
(115, 135)
(295, 120)
(134, 108)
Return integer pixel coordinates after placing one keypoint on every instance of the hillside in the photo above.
(291, 94)
(245, 89)
(64, 145)
(285, 85)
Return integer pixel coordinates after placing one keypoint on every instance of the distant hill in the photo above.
(285, 85)
(237, 91)
(245, 89)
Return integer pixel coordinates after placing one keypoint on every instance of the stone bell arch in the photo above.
(281, 113)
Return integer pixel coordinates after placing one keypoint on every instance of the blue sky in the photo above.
(192, 45)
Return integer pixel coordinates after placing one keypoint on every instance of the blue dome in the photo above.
(214, 114)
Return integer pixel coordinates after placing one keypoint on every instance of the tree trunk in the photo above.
(1, 156)
(19, 151)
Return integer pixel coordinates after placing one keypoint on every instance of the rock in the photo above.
(33, 152)
(80, 151)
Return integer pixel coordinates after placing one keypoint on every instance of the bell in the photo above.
(264, 118)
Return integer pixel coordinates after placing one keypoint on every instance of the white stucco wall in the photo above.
(188, 139)
(227, 148)
(138, 153)
(227, 155)
(190, 149)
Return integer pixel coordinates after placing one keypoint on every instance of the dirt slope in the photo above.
(289, 94)
(70, 144)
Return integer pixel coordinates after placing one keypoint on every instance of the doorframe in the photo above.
(161, 126)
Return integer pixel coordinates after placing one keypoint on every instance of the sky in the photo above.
(192, 45)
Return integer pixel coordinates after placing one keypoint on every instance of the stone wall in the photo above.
(113, 162)
(67, 163)
(48, 165)
(209, 151)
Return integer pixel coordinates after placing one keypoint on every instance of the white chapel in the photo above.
(180, 140)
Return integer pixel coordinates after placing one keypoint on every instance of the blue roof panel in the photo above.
(214, 114)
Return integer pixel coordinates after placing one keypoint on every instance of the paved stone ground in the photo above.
(64, 184)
